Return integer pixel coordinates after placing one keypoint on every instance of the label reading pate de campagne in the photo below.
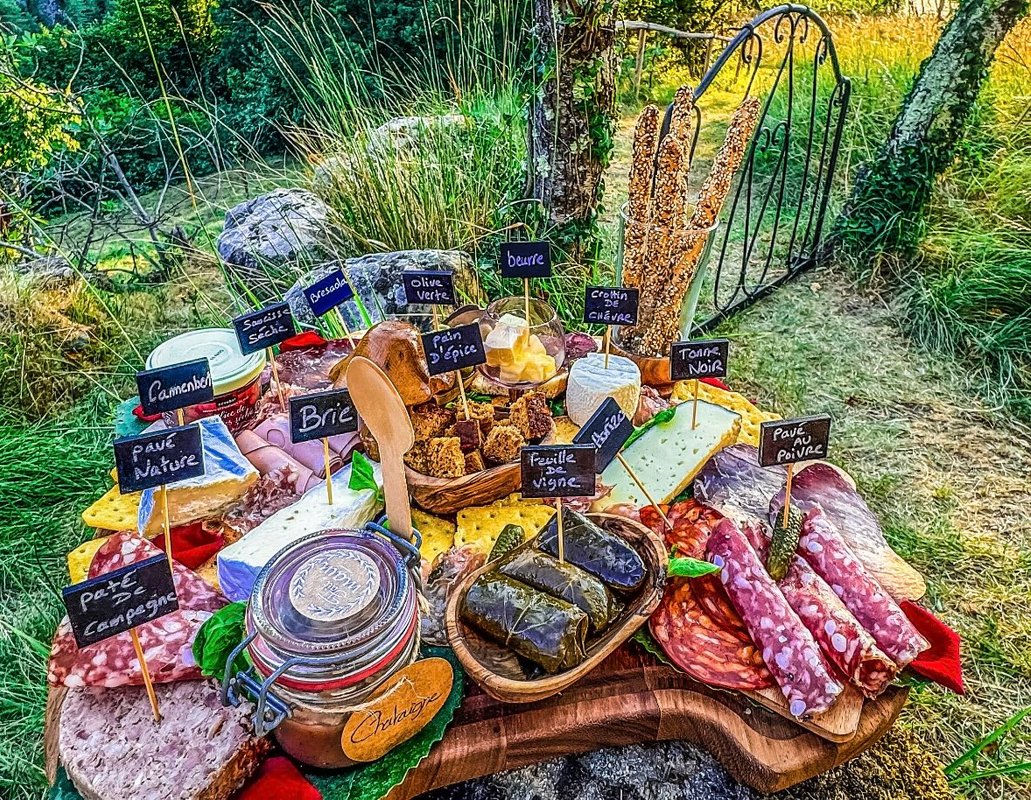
(611, 305)
(153, 459)
(326, 294)
(429, 287)
(268, 326)
(453, 348)
(705, 358)
(525, 260)
(116, 601)
(319, 415)
(175, 386)
(607, 431)
(558, 470)
(786, 441)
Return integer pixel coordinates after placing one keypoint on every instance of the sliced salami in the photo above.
(834, 560)
(786, 645)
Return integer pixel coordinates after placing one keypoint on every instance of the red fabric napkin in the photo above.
(192, 545)
(278, 779)
(138, 413)
(302, 340)
(941, 662)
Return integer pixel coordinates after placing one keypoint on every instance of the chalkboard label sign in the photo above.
(175, 386)
(453, 348)
(786, 441)
(326, 294)
(705, 358)
(607, 431)
(611, 305)
(265, 327)
(154, 459)
(526, 260)
(565, 470)
(429, 287)
(116, 601)
(322, 414)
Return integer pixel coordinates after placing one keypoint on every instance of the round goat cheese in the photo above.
(590, 383)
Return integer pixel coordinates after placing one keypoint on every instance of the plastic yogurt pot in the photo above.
(236, 378)
(335, 615)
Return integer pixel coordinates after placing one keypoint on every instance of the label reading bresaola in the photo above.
(153, 459)
(326, 294)
(116, 601)
(565, 470)
(268, 326)
(429, 287)
(607, 431)
(786, 441)
(526, 260)
(611, 305)
(705, 358)
(176, 386)
(320, 415)
(453, 348)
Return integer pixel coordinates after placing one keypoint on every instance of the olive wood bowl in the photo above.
(485, 661)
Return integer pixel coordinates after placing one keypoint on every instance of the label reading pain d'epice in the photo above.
(175, 386)
(154, 459)
(558, 470)
(264, 328)
(429, 287)
(786, 441)
(453, 348)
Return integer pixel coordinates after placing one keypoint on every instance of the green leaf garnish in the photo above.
(683, 567)
(217, 637)
(363, 477)
(663, 416)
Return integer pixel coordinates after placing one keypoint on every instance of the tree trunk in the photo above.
(572, 120)
(886, 209)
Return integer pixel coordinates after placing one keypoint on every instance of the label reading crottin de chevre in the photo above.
(401, 708)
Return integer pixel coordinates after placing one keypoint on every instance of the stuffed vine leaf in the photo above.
(603, 554)
(564, 580)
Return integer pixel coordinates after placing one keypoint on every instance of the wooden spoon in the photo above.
(384, 412)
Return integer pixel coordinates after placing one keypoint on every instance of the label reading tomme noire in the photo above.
(326, 294)
(453, 348)
(117, 601)
(611, 305)
(154, 459)
(319, 415)
(175, 386)
(786, 441)
(705, 358)
(525, 260)
(558, 470)
(268, 326)
(429, 287)
(607, 431)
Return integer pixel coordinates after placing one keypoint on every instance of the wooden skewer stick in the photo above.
(526, 300)
(343, 323)
(787, 496)
(146, 674)
(180, 416)
(561, 540)
(275, 378)
(461, 391)
(608, 340)
(694, 406)
(644, 491)
(329, 475)
(168, 527)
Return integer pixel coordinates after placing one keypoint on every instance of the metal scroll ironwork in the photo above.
(773, 218)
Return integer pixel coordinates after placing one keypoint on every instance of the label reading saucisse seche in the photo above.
(705, 358)
(525, 260)
(268, 326)
(607, 431)
(154, 459)
(175, 386)
(565, 470)
(453, 348)
(319, 415)
(785, 441)
(611, 305)
(429, 287)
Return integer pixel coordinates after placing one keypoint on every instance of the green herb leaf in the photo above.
(557, 406)
(363, 477)
(663, 416)
(645, 640)
(217, 637)
(690, 568)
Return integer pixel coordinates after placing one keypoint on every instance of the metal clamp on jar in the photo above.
(330, 619)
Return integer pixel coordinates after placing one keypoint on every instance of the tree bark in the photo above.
(572, 119)
(886, 209)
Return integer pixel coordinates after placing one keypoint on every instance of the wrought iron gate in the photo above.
(772, 222)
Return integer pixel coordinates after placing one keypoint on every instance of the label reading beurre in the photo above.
(334, 586)
(401, 708)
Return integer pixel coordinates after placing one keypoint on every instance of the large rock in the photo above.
(401, 135)
(269, 241)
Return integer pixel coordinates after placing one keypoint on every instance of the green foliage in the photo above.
(220, 634)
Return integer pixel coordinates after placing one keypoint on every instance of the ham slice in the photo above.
(166, 642)
(276, 431)
(271, 460)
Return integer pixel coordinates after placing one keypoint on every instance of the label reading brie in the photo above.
(334, 586)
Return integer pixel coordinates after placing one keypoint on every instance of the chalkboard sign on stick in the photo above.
(611, 305)
(154, 459)
(706, 358)
(429, 287)
(526, 260)
(261, 329)
(175, 386)
(786, 441)
(565, 470)
(453, 348)
(607, 431)
(319, 415)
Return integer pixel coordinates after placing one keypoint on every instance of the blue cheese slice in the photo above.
(227, 475)
(590, 383)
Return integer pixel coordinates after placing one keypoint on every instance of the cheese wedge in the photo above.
(669, 454)
(751, 416)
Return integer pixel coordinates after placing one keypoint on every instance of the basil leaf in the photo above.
(663, 416)
(363, 477)
(690, 568)
(217, 637)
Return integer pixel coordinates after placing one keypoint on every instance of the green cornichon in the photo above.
(509, 539)
(784, 544)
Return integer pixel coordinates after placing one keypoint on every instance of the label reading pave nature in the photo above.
(153, 459)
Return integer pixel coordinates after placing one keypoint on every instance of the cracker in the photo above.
(81, 557)
(565, 430)
(438, 535)
(480, 526)
(114, 511)
(751, 415)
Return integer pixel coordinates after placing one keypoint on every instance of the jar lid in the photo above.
(230, 368)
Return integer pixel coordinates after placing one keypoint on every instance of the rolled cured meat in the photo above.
(834, 561)
(267, 459)
(276, 431)
(787, 647)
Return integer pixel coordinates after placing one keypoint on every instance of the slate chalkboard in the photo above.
(611, 305)
(326, 294)
(453, 348)
(116, 601)
(526, 260)
(558, 470)
(319, 415)
(705, 358)
(429, 287)
(175, 386)
(265, 327)
(607, 431)
(153, 459)
(785, 441)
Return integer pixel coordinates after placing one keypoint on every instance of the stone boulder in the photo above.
(47, 271)
(403, 134)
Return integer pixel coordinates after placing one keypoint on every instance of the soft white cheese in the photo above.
(590, 383)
